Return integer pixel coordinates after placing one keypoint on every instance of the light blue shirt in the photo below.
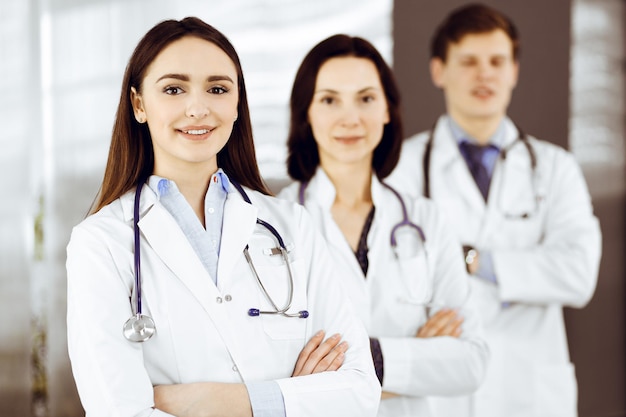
(266, 398)
(485, 265)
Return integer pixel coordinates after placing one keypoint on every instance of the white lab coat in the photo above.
(203, 331)
(542, 263)
(390, 298)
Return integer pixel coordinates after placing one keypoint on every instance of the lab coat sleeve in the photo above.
(439, 365)
(562, 268)
(108, 369)
(353, 390)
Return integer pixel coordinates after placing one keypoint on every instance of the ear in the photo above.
(436, 71)
(515, 73)
(137, 103)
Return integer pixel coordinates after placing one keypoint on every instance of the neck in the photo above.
(353, 184)
(192, 182)
(481, 129)
(353, 198)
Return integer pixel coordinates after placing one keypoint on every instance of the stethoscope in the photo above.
(255, 312)
(140, 327)
(522, 138)
(405, 222)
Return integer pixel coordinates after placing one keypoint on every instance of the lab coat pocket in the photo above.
(403, 298)
(417, 285)
(556, 390)
(520, 232)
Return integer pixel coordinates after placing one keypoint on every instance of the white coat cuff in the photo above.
(397, 362)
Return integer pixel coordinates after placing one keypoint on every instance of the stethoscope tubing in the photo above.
(405, 216)
(139, 327)
(428, 150)
(137, 255)
(255, 312)
(522, 137)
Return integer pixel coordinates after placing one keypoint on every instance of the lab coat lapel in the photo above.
(238, 226)
(172, 246)
(448, 165)
(512, 183)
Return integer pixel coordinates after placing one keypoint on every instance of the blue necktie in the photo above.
(475, 157)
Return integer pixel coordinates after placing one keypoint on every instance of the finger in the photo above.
(319, 353)
(336, 364)
(311, 345)
(452, 328)
(435, 323)
(332, 360)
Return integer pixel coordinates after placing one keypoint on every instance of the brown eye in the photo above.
(218, 90)
(172, 90)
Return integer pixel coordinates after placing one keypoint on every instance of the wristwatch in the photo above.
(470, 253)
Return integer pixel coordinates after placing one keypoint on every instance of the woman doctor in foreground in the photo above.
(204, 306)
(399, 262)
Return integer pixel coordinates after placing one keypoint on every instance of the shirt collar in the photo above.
(162, 186)
(497, 140)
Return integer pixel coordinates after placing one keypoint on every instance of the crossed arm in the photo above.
(209, 399)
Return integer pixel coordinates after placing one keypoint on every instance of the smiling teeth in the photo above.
(196, 132)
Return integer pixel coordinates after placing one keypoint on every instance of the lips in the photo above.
(196, 132)
(482, 92)
(348, 139)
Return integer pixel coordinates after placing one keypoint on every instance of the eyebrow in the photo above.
(185, 77)
(330, 90)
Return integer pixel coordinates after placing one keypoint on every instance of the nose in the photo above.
(350, 116)
(197, 106)
(485, 70)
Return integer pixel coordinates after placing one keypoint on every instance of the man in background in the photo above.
(521, 209)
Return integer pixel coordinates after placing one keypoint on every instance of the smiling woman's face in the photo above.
(348, 111)
(189, 99)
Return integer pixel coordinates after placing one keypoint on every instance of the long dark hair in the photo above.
(131, 157)
(303, 157)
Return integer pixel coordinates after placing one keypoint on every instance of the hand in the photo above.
(318, 356)
(385, 395)
(179, 398)
(445, 322)
(203, 399)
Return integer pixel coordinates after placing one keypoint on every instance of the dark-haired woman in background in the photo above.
(408, 283)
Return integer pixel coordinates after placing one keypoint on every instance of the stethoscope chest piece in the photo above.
(139, 328)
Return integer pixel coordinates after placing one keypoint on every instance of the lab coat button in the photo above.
(218, 300)
(227, 297)
(235, 368)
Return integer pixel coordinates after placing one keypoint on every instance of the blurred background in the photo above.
(61, 64)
